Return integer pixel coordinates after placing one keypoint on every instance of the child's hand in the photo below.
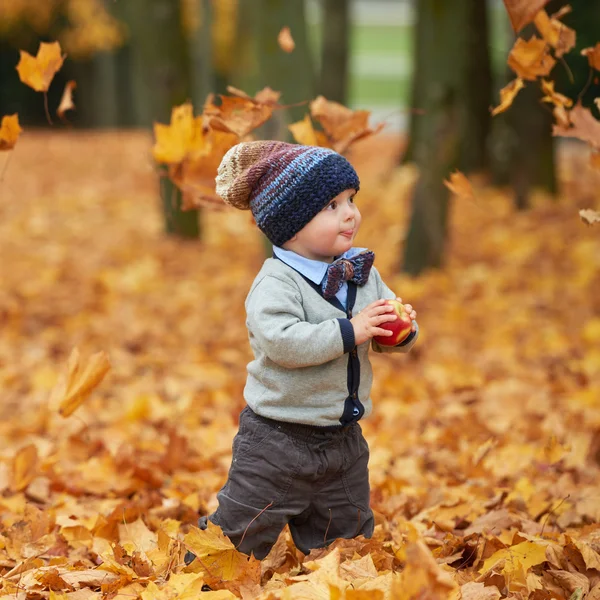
(366, 322)
(412, 313)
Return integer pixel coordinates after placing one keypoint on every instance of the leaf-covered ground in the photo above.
(485, 440)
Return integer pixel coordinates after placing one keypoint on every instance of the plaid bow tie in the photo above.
(355, 269)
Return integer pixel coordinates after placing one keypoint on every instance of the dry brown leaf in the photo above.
(479, 591)
(570, 582)
(10, 130)
(285, 40)
(82, 382)
(531, 59)
(583, 125)
(66, 102)
(589, 216)
(593, 56)
(459, 184)
(343, 126)
(557, 34)
(522, 12)
(38, 71)
(265, 96)
(236, 115)
(507, 95)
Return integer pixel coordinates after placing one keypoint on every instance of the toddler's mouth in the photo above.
(348, 233)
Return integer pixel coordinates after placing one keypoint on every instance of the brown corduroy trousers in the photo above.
(314, 479)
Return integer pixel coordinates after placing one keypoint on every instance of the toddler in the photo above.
(299, 457)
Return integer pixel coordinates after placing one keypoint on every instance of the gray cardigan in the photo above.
(306, 367)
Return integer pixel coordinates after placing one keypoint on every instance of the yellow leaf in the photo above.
(507, 95)
(182, 137)
(37, 72)
(9, 131)
(554, 97)
(24, 467)
(215, 552)
(80, 384)
(517, 560)
(304, 132)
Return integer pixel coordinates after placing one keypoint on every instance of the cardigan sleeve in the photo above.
(405, 345)
(276, 320)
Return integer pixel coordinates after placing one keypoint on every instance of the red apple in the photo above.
(400, 328)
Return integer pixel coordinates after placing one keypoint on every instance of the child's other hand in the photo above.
(412, 313)
(366, 322)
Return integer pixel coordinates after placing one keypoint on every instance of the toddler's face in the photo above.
(331, 232)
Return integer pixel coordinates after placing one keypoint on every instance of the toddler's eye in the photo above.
(332, 206)
(351, 199)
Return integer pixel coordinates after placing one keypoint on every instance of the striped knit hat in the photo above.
(284, 185)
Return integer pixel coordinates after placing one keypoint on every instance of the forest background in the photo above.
(485, 440)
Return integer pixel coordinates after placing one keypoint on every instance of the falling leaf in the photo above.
(530, 59)
(182, 137)
(9, 132)
(583, 125)
(343, 126)
(460, 185)
(37, 72)
(554, 97)
(66, 102)
(236, 114)
(285, 40)
(555, 33)
(522, 12)
(81, 382)
(593, 56)
(25, 465)
(507, 95)
(589, 216)
(265, 96)
(304, 133)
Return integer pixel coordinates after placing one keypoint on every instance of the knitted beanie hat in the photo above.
(284, 185)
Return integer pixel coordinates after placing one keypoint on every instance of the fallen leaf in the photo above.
(479, 591)
(81, 383)
(285, 40)
(507, 95)
(9, 132)
(522, 12)
(37, 72)
(25, 465)
(530, 59)
(66, 102)
(557, 34)
(460, 185)
(593, 56)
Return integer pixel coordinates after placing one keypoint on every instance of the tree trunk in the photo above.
(290, 73)
(334, 50)
(161, 80)
(439, 142)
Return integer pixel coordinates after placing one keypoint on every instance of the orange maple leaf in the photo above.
(37, 72)
(305, 133)
(342, 125)
(236, 114)
(507, 95)
(522, 12)
(530, 59)
(557, 34)
(81, 383)
(182, 137)
(460, 185)
(9, 131)
(593, 56)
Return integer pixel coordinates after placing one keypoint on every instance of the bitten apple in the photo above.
(400, 327)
